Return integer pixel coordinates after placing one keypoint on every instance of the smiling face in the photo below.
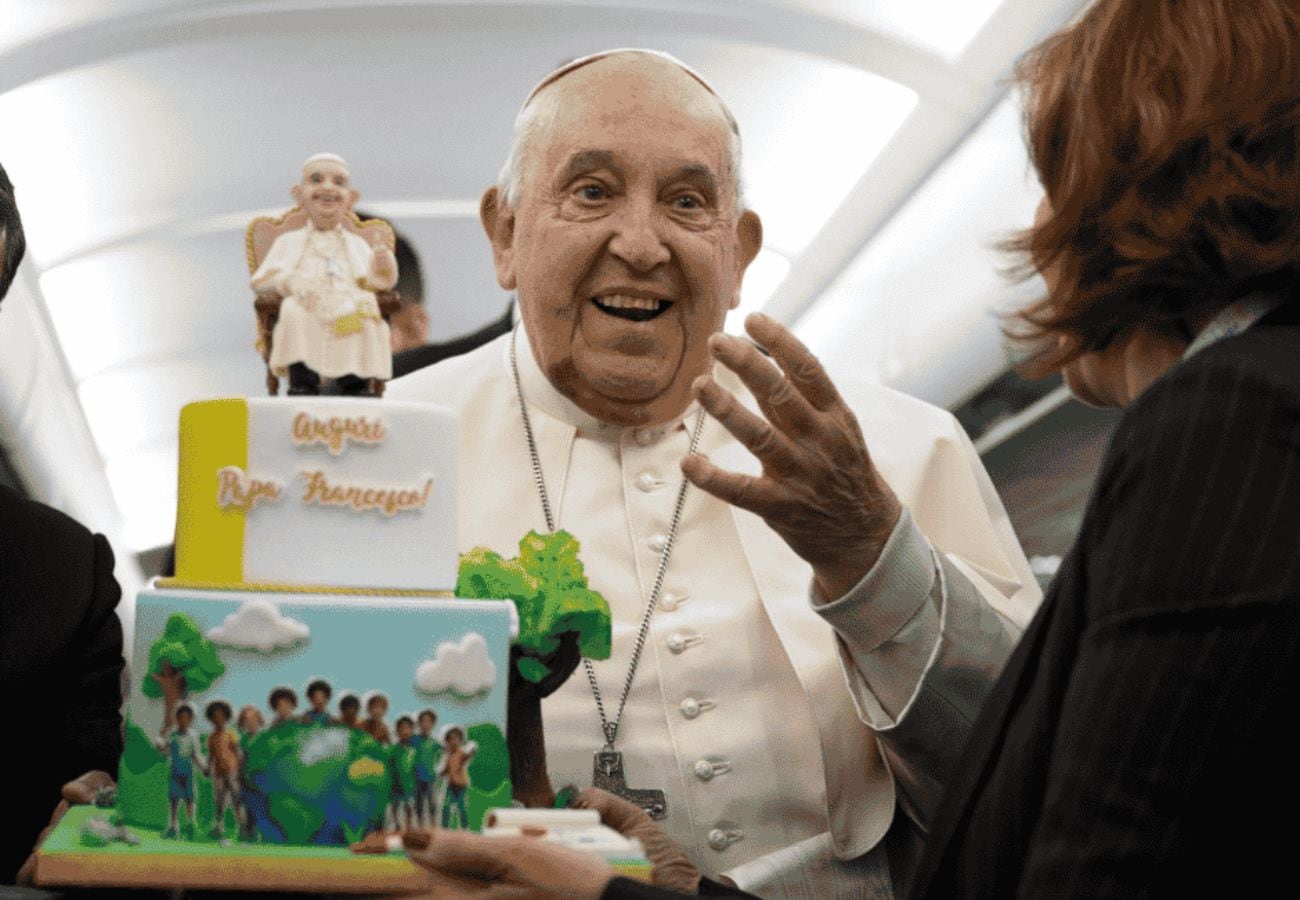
(625, 248)
(325, 192)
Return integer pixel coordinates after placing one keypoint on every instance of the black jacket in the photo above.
(1138, 743)
(60, 666)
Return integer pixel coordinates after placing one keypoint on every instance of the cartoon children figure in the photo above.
(350, 710)
(402, 802)
(428, 753)
(318, 695)
(182, 749)
(455, 766)
(374, 725)
(224, 762)
(283, 701)
(250, 722)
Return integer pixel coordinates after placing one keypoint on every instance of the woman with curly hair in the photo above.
(1137, 740)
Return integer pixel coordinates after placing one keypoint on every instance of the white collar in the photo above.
(1232, 320)
(539, 392)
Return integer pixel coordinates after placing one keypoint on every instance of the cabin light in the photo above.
(944, 26)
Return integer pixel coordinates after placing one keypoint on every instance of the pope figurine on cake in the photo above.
(329, 323)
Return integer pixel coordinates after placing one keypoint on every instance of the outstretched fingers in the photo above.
(772, 448)
(778, 398)
(799, 364)
(758, 495)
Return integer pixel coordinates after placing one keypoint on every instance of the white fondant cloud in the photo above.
(462, 668)
(258, 625)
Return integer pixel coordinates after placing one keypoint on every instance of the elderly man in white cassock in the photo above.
(798, 548)
(329, 324)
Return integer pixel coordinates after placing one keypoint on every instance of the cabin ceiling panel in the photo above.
(944, 26)
(917, 309)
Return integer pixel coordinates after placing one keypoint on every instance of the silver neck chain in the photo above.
(607, 726)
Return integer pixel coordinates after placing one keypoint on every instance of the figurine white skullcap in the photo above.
(326, 157)
(581, 61)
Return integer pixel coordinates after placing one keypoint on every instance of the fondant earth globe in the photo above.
(316, 784)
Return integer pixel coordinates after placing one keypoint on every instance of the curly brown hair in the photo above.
(1166, 134)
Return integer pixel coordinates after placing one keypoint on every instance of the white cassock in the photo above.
(327, 320)
(783, 750)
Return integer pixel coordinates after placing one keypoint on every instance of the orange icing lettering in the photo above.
(387, 500)
(235, 488)
(336, 431)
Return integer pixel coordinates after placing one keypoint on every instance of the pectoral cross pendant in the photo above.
(608, 776)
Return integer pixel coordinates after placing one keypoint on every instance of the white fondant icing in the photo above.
(258, 625)
(298, 543)
(463, 668)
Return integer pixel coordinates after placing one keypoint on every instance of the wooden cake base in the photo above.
(66, 859)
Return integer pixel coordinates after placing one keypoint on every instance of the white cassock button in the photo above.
(720, 840)
(691, 707)
(670, 601)
(648, 481)
(677, 642)
(657, 542)
(644, 436)
(705, 770)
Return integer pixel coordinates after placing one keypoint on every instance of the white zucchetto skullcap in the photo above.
(581, 61)
(326, 157)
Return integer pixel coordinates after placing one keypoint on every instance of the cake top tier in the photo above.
(317, 491)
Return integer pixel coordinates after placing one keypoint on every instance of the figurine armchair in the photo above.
(259, 237)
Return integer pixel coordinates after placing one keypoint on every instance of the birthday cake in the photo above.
(306, 677)
(306, 683)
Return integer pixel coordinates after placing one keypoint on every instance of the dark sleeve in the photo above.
(92, 720)
(630, 889)
(1171, 745)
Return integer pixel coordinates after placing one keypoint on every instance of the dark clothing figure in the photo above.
(1138, 742)
(60, 660)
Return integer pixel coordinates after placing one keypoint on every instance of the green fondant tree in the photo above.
(561, 620)
(181, 661)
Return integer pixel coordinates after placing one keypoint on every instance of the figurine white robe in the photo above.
(327, 320)
(776, 765)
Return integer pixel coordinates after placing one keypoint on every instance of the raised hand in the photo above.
(382, 261)
(819, 489)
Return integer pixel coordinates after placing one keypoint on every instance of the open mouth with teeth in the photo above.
(634, 309)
